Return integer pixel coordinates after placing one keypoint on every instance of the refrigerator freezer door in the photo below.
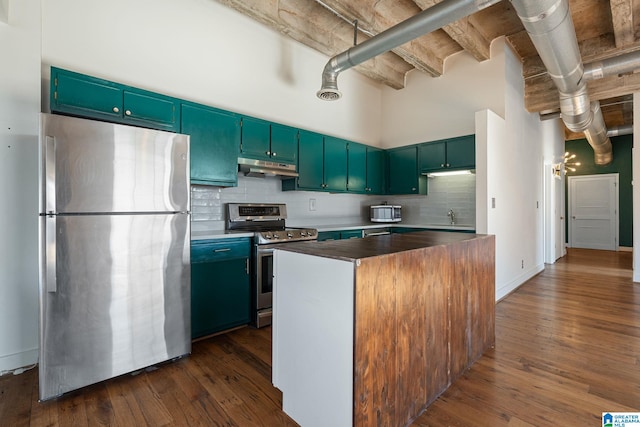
(122, 300)
(104, 167)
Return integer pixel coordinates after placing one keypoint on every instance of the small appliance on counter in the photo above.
(386, 213)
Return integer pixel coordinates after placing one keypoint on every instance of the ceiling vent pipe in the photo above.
(620, 130)
(620, 64)
(428, 20)
(551, 30)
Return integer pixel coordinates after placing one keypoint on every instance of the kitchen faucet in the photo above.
(452, 215)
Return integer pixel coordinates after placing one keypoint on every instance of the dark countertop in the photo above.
(354, 249)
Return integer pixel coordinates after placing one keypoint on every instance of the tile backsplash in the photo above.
(457, 193)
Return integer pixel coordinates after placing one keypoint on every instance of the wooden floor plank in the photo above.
(567, 345)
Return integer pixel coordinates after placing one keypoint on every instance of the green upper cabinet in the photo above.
(375, 170)
(310, 163)
(433, 156)
(335, 164)
(85, 96)
(357, 167)
(404, 177)
(284, 143)
(268, 141)
(322, 164)
(256, 139)
(461, 152)
(215, 142)
(448, 154)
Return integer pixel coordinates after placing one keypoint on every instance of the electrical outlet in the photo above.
(493, 203)
(522, 264)
(312, 204)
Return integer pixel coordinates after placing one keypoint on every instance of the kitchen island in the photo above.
(371, 331)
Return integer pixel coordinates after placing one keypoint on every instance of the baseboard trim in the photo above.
(11, 362)
(503, 291)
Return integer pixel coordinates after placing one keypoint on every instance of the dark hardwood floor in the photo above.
(567, 349)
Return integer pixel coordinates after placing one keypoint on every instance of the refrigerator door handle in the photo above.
(50, 254)
(50, 175)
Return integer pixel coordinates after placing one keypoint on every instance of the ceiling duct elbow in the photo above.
(596, 135)
(431, 19)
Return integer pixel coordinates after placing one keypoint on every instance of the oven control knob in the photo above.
(289, 234)
(268, 236)
(303, 233)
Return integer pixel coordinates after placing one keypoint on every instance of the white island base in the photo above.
(313, 310)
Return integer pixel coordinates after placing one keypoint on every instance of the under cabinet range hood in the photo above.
(263, 168)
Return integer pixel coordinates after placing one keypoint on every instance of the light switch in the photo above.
(312, 204)
(493, 203)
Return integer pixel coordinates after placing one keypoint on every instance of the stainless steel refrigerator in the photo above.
(114, 251)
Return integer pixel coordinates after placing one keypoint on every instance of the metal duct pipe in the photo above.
(620, 130)
(551, 30)
(620, 64)
(428, 20)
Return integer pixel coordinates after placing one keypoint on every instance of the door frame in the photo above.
(616, 216)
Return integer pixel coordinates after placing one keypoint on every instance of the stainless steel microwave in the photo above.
(386, 213)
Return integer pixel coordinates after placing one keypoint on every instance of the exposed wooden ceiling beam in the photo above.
(464, 33)
(623, 25)
(313, 25)
(541, 94)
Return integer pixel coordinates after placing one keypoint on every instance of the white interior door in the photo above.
(593, 211)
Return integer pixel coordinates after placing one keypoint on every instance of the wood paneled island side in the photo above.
(369, 332)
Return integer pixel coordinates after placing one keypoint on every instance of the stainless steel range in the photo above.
(267, 221)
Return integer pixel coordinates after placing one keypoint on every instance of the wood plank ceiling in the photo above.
(603, 28)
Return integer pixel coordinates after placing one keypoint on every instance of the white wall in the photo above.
(206, 52)
(435, 108)
(19, 107)
(635, 171)
(517, 183)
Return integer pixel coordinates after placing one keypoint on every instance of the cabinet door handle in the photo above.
(116, 110)
(413, 189)
(274, 154)
(128, 112)
(441, 165)
(268, 153)
(448, 165)
(246, 265)
(222, 250)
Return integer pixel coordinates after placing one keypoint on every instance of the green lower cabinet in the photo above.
(328, 235)
(215, 144)
(351, 234)
(339, 235)
(220, 285)
(400, 230)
